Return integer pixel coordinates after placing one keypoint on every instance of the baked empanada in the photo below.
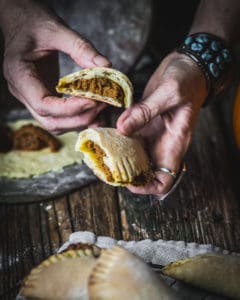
(213, 272)
(100, 84)
(119, 274)
(116, 159)
(61, 276)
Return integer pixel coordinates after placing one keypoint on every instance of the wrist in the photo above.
(189, 77)
(213, 57)
(11, 15)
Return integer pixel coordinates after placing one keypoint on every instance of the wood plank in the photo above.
(95, 208)
(32, 232)
(203, 209)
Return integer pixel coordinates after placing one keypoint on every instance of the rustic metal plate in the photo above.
(44, 186)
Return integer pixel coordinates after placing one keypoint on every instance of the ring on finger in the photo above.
(177, 178)
(167, 171)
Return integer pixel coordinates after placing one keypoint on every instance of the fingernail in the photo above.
(126, 127)
(100, 60)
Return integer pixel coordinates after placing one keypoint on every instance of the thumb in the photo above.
(137, 116)
(79, 48)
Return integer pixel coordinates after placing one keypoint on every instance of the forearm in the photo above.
(15, 14)
(219, 17)
(10, 14)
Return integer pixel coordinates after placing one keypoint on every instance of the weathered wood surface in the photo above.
(31, 232)
(203, 209)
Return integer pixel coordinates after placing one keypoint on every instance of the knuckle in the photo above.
(81, 46)
(49, 126)
(87, 120)
(183, 132)
(40, 110)
(144, 113)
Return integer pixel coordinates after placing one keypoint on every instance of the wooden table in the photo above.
(204, 209)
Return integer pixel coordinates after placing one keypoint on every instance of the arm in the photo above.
(33, 35)
(219, 17)
(167, 114)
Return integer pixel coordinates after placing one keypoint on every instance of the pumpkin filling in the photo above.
(100, 86)
(97, 155)
(33, 138)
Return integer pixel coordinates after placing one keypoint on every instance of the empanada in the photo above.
(114, 158)
(119, 274)
(217, 273)
(62, 276)
(101, 84)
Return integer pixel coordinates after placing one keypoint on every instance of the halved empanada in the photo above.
(99, 83)
(114, 158)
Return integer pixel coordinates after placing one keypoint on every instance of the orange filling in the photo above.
(98, 154)
(32, 138)
(100, 86)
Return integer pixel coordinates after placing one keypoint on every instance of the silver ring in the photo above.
(168, 171)
(177, 180)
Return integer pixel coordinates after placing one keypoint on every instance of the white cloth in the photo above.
(156, 252)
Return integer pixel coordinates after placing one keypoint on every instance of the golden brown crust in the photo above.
(118, 274)
(60, 277)
(213, 272)
(84, 247)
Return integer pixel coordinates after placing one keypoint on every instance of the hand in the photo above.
(32, 36)
(166, 117)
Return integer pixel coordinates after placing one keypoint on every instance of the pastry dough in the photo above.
(101, 84)
(217, 273)
(114, 158)
(26, 164)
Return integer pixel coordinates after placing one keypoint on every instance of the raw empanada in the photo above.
(114, 158)
(217, 273)
(99, 83)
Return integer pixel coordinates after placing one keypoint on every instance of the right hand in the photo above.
(32, 35)
(166, 117)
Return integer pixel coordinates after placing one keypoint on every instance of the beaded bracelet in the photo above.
(213, 57)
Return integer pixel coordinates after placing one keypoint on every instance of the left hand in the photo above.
(166, 117)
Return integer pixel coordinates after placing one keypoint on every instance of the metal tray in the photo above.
(44, 186)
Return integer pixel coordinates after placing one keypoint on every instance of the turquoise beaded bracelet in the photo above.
(213, 57)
